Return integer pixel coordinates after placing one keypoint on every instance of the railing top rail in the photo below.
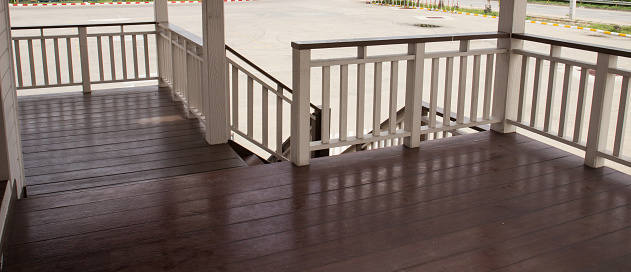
(188, 36)
(257, 68)
(81, 25)
(396, 40)
(576, 45)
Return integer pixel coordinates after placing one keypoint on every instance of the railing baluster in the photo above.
(376, 107)
(31, 59)
(475, 91)
(70, 69)
(523, 84)
(343, 102)
(279, 121)
(146, 51)
(44, 58)
(362, 53)
(18, 63)
(488, 86)
(394, 82)
(250, 109)
(555, 51)
(265, 116)
(235, 97)
(622, 124)
(57, 64)
(326, 104)
(565, 95)
(123, 53)
(535, 92)
(85, 59)
(99, 46)
(134, 43)
(462, 87)
(580, 106)
(449, 76)
(433, 97)
(112, 59)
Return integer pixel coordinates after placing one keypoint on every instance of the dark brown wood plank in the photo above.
(619, 264)
(275, 172)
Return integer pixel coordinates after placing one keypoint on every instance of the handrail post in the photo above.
(161, 15)
(85, 60)
(414, 94)
(300, 115)
(214, 83)
(507, 69)
(601, 110)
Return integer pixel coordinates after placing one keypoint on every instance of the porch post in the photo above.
(506, 89)
(214, 75)
(161, 15)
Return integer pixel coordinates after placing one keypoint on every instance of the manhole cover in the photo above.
(426, 25)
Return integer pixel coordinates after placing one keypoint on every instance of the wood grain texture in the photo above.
(483, 200)
(76, 142)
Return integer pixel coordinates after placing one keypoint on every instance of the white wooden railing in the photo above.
(470, 98)
(182, 63)
(592, 115)
(65, 55)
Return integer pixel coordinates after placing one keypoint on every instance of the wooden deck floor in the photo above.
(110, 137)
(471, 203)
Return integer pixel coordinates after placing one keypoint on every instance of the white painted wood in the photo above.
(134, 42)
(343, 130)
(462, 82)
(44, 60)
(326, 104)
(250, 109)
(449, 75)
(565, 96)
(112, 58)
(534, 107)
(235, 96)
(376, 104)
(362, 53)
(31, 59)
(85, 60)
(555, 51)
(623, 118)
(145, 40)
(475, 89)
(300, 115)
(279, 122)
(601, 110)
(57, 64)
(580, 106)
(523, 83)
(265, 116)
(433, 97)
(123, 53)
(564, 60)
(99, 46)
(18, 63)
(488, 86)
(394, 86)
(369, 138)
(160, 15)
(217, 128)
(414, 95)
(512, 19)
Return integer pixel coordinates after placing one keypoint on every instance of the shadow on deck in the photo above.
(106, 138)
(476, 202)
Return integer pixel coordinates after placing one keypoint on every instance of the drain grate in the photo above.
(426, 25)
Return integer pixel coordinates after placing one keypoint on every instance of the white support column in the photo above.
(601, 110)
(214, 75)
(161, 15)
(414, 94)
(300, 115)
(507, 70)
